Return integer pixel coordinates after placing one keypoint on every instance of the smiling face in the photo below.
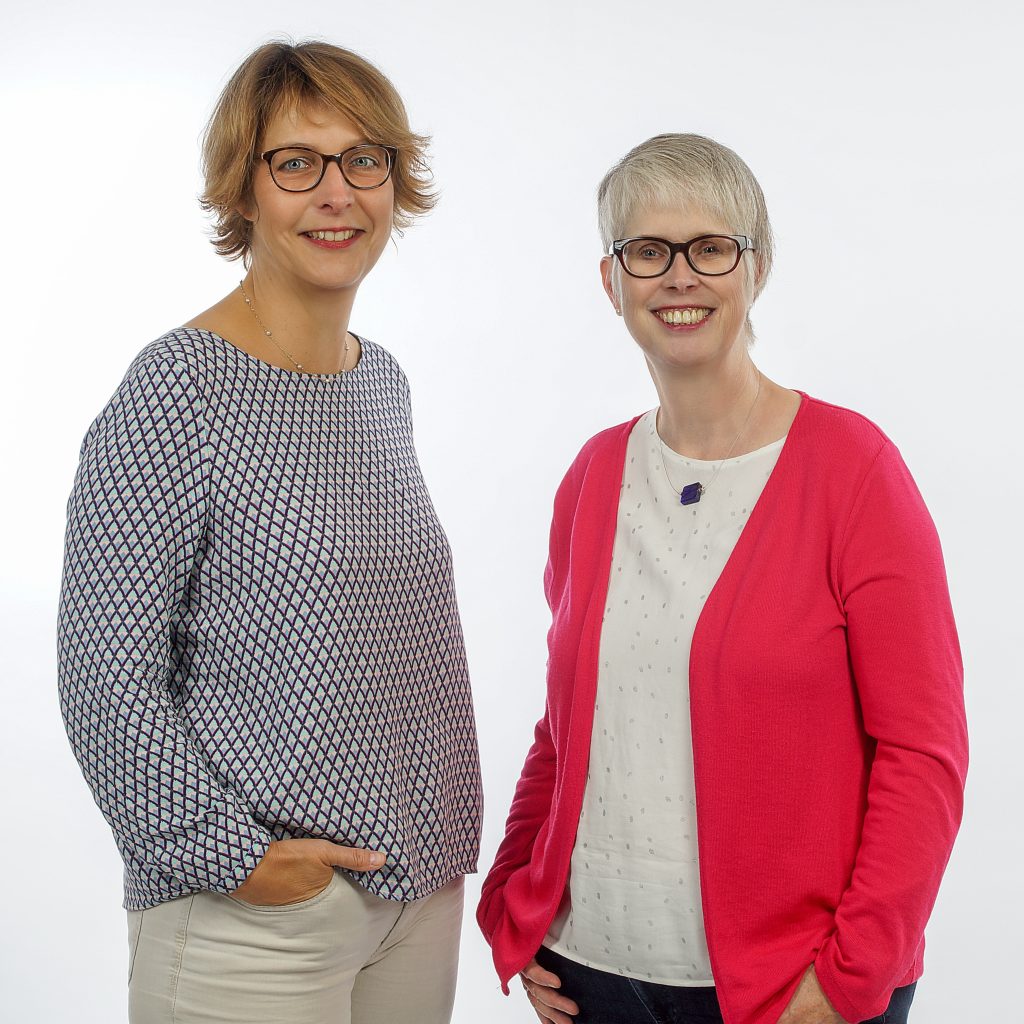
(329, 237)
(682, 319)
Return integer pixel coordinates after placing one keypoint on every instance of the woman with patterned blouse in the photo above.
(262, 668)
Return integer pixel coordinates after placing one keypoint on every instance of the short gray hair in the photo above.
(692, 170)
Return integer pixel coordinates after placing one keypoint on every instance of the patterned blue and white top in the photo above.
(259, 637)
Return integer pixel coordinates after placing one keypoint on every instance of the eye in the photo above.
(292, 162)
(365, 162)
(647, 250)
(713, 252)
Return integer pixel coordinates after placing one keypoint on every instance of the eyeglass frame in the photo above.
(332, 158)
(743, 244)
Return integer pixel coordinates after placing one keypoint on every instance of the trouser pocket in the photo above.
(134, 932)
(156, 939)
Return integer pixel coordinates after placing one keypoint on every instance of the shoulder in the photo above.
(159, 391)
(380, 367)
(186, 353)
(606, 443)
(172, 367)
(842, 439)
(599, 461)
(852, 466)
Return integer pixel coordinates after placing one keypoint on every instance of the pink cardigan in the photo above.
(829, 736)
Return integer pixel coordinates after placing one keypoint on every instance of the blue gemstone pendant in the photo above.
(690, 494)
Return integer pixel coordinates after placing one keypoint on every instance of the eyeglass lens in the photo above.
(650, 257)
(297, 170)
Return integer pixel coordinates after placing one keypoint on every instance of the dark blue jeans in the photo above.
(605, 998)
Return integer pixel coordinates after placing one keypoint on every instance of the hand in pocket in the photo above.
(293, 870)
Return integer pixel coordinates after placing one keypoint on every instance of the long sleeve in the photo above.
(530, 808)
(523, 889)
(531, 804)
(906, 664)
(136, 523)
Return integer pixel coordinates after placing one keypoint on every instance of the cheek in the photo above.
(385, 212)
(634, 296)
(744, 291)
(377, 203)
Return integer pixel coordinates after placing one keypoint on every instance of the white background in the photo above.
(887, 139)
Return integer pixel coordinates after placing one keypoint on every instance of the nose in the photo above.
(680, 274)
(333, 189)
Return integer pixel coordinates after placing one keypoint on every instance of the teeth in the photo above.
(684, 316)
(331, 236)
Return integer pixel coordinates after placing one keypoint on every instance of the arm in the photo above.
(906, 664)
(530, 808)
(531, 804)
(136, 525)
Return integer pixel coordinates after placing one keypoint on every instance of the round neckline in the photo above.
(689, 460)
(292, 374)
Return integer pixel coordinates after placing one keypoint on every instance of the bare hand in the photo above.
(809, 1004)
(293, 870)
(541, 989)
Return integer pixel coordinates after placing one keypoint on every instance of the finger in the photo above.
(549, 1013)
(548, 998)
(351, 857)
(541, 1017)
(534, 972)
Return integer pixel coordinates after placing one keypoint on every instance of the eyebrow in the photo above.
(692, 238)
(309, 146)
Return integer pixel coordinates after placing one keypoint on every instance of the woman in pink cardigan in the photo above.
(749, 774)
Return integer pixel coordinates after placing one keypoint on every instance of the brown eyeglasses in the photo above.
(297, 169)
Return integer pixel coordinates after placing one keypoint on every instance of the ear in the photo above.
(608, 280)
(758, 270)
(246, 208)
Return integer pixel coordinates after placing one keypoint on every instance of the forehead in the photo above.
(676, 221)
(312, 124)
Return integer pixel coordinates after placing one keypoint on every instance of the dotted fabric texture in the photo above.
(634, 886)
(258, 634)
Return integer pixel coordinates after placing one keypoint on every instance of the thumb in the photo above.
(351, 857)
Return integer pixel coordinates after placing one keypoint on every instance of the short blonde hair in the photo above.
(281, 75)
(690, 170)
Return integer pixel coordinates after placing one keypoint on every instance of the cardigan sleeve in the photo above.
(136, 525)
(531, 806)
(907, 669)
(531, 803)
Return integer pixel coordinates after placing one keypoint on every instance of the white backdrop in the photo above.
(887, 139)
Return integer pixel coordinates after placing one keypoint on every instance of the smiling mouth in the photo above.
(332, 236)
(690, 315)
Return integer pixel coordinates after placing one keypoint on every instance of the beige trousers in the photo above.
(342, 957)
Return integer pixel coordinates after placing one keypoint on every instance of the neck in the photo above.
(704, 409)
(310, 324)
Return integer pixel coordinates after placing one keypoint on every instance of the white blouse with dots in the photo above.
(633, 903)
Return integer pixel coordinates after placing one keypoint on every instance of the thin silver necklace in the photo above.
(270, 334)
(692, 493)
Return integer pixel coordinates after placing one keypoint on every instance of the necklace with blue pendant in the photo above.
(692, 493)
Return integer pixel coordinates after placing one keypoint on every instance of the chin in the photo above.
(683, 355)
(336, 281)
